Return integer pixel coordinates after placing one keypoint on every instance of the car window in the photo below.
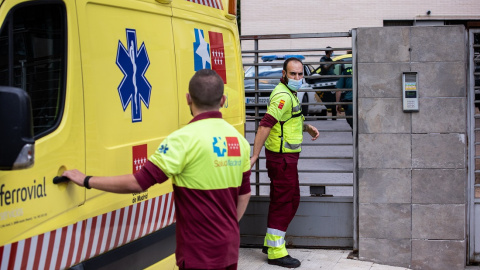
(309, 68)
(32, 48)
(277, 72)
(340, 67)
(251, 70)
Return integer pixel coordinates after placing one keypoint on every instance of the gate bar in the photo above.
(294, 36)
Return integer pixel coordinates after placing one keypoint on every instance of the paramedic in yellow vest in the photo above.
(208, 162)
(281, 130)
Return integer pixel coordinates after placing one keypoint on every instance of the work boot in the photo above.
(265, 249)
(286, 261)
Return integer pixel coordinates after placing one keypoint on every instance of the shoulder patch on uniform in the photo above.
(281, 104)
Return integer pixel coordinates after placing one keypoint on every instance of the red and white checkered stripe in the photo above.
(85, 239)
(209, 3)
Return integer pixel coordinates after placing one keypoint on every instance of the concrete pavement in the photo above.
(325, 259)
(314, 259)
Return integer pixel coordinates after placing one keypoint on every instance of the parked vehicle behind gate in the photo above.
(329, 82)
(97, 85)
(268, 78)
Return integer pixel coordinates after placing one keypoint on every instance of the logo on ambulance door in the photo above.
(139, 157)
(134, 87)
(204, 58)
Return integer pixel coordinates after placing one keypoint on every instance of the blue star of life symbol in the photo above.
(163, 149)
(219, 146)
(201, 51)
(134, 86)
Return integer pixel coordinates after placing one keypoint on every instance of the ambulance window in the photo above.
(33, 57)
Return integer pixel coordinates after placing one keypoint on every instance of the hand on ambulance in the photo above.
(313, 131)
(117, 184)
(75, 176)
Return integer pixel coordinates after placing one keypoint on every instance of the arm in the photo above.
(340, 84)
(325, 66)
(116, 184)
(338, 94)
(260, 138)
(313, 131)
(242, 205)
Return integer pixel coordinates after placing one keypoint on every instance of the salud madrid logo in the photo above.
(134, 87)
(227, 145)
(209, 55)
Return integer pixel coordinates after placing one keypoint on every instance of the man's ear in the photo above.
(222, 101)
(189, 99)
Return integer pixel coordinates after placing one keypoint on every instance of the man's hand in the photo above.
(313, 131)
(339, 108)
(253, 159)
(259, 141)
(75, 176)
(116, 184)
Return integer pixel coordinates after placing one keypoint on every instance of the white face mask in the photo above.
(294, 85)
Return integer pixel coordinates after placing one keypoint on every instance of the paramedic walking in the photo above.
(281, 130)
(208, 162)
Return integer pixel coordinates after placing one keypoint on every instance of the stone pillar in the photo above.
(412, 166)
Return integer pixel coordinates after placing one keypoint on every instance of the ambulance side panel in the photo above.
(130, 100)
(130, 106)
(56, 226)
(39, 53)
(207, 39)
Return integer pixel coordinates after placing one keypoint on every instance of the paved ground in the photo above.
(325, 259)
(314, 259)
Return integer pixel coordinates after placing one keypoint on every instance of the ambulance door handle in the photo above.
(164, 1)
(60, 179)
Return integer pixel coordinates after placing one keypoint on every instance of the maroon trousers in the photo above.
(284, 189)
(230, 267)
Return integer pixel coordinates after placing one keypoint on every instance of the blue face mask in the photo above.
(294, 85)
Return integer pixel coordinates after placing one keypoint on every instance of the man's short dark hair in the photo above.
(328, 51)
(206, 89)
(285, 64)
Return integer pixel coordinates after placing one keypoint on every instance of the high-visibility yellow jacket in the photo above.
(286, 135)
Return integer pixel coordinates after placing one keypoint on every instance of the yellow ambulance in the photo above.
(97, 85)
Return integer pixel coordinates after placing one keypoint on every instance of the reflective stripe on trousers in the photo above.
(275, 241)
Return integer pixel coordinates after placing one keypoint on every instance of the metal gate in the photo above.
(474, 147)
(327, 167)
